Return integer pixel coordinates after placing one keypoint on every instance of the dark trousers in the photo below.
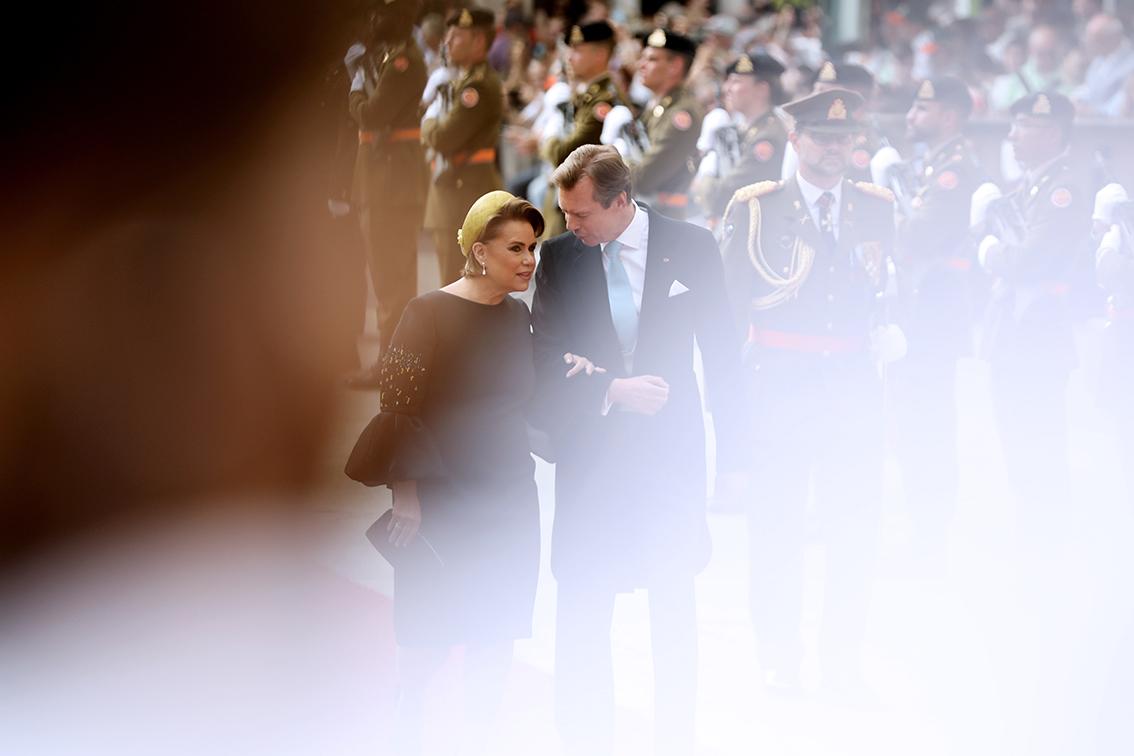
(584, 683)
(1030, 398)
(391, 243)
(924, 390)
(818, 429)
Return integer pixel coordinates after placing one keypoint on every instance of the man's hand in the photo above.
(580, 364)
(643, 394)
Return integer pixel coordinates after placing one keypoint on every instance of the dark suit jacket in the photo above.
(630, 489)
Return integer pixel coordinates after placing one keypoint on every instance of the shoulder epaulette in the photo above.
(759, 189)
(874, 190)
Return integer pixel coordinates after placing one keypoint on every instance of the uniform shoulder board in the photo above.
(753, 191)
(874, 190)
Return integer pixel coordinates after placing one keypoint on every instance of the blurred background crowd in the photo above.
(1002, 49)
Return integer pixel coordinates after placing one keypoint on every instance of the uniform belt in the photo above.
(480, 157)
(803, 342)
(397, 135)
(673, 200)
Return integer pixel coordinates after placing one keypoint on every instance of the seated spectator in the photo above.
(1112, 63)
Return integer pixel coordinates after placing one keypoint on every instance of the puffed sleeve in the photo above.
(397, 445)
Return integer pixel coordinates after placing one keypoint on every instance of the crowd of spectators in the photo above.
(1003, 50)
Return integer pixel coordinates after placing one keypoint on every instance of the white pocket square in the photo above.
(677, 288)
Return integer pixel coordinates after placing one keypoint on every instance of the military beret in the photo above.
(844, 76)
(597, 31)
(1045, 106)
(759, 65)
(831, 111)
(671, 41)
(467, 18)
(947, 90)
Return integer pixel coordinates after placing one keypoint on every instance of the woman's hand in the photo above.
(407, 513)
(580, 364)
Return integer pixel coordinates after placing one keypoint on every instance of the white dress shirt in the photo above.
(811, 195)
(633, 254)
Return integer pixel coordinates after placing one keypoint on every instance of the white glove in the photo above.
(358, 83)
(881, 163)
(618, 117)
(983, 198)
(353, 54)
(433, 111)
(1110, 246)
(888, 344)
(989, 246)
(1109, 197)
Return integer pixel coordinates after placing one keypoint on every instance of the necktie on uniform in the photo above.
(621, 296)
(827, 219)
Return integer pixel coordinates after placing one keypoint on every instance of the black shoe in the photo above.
(783, 683)
(366, 379)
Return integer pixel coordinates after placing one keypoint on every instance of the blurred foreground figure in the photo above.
(387, 79)
(1032, 240)
(629, 288)
(805, 261)
(170, 326)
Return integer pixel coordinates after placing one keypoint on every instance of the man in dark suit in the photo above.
(806, 260)
(630, 289)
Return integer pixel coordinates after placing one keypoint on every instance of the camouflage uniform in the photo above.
(464, 140)
(390, 175)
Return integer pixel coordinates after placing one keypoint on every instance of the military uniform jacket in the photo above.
(1028, 315)
(672, 126)
(761, 155)
(866, 145)
(390, 167)
(800, 302)
(590, 107)
(465, 137)
(934, 251)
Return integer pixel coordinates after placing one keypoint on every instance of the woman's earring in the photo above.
(483, 269)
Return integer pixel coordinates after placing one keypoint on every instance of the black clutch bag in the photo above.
(418, 554)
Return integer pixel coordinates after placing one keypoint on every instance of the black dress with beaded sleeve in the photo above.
(456, 384)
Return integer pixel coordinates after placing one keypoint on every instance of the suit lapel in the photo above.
(659, 276)
(594, 304)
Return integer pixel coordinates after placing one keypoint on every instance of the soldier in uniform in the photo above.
(462, 128)
(868, 141)
(934, 264)
(752, 90)
(594, 95)
(387, 79)
(806, 261)
(672, 121)
(1114, 265)
(1033, 238)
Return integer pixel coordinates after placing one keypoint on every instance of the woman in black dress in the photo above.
(451, 442)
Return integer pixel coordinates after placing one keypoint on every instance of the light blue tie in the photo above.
(621, 296)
